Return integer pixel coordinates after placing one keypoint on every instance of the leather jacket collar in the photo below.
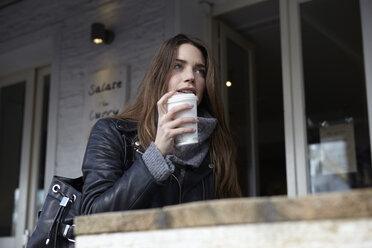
(126, 125)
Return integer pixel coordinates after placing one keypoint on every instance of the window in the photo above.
(23, 118)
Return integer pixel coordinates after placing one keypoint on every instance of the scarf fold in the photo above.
(194, 154)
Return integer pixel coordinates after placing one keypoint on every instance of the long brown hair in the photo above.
(142, 109)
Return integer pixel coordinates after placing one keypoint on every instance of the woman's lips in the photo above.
(186, 91)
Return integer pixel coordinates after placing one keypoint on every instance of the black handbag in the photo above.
(55, 225)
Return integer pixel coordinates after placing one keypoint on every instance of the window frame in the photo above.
(293, 84)
(28, 77)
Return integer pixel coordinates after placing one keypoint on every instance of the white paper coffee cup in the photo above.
(187, 138)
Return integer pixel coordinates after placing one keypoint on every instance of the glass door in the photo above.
(254, 27)
(16, 98)
(238, 91)
(21, 152)
(327, 128)
(335, 96)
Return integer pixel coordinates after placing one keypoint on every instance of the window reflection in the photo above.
(335, 94)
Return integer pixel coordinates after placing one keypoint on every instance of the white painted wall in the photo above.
(139, 28)
(35, 33)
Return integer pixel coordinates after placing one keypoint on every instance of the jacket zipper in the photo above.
(138, 150)
(137, 146)
(179, 186)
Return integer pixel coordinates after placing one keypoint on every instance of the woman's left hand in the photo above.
(169, 126)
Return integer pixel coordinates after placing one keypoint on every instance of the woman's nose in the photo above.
(189, 74)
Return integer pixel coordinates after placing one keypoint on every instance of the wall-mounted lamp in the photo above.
(101, 35)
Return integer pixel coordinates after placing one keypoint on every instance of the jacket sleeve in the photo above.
(107, 187)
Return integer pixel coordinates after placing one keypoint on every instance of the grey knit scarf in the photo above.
(194, 154)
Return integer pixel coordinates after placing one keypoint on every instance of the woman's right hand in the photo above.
(169, 126)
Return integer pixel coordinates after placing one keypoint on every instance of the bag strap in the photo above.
(57, 222)
(129, 139)
(67, 231)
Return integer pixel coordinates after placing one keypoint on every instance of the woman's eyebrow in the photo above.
(184, 62)
(200, 65)
(181, 61)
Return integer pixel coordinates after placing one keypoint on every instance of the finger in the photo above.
(163, 101)
(181, 130)
(179, 108)
(172, 114)
(176, 123)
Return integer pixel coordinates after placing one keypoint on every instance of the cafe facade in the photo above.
(295, 80)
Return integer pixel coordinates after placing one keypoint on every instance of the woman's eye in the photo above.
(177, 66)
(200, 71)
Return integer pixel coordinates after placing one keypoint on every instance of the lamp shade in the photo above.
(98, 33)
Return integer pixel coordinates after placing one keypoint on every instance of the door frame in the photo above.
(293, 90)
(221, 32)
(293, 99)
(30, 151)
(36, 53)
(293, 83)
(366, 19)
(28, 76)
(35, 147)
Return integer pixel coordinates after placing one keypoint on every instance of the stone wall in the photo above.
(327, 220)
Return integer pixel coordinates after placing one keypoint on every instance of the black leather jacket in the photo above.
(116, 178)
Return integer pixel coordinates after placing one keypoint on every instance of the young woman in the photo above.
(131, 161)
